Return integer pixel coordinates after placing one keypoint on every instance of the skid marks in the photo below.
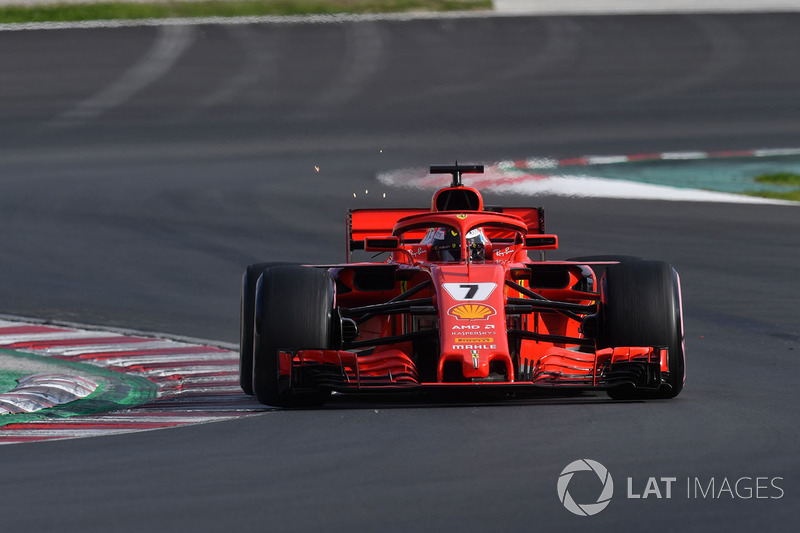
(360, 63)
(260, 50)
(170, 44)
(723, 52)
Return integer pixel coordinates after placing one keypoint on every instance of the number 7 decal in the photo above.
(475, 292)
(472, 288)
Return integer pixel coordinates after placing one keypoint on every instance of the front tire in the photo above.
(293, 310)
(246, 318)
(641, 306)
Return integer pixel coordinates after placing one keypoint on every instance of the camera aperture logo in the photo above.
(585, 509)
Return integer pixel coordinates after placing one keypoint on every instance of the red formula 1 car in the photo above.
(459, 303)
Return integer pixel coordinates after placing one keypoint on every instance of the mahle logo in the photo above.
(585, 509)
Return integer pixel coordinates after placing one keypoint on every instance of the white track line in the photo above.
(503, 8)
(266, 19)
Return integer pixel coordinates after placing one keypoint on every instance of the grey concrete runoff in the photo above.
(571, 7)
(596, 7)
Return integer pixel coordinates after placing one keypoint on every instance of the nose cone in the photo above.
(478, 364)
(472, 322)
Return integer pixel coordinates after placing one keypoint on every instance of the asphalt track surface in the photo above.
(142, 169)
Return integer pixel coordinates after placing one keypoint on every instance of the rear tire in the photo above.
(246, 317)
(641, 306)
(293, 310)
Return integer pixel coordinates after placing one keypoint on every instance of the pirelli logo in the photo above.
(472, 340)
(472, 311)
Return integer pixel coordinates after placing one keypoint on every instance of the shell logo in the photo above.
(472, 311)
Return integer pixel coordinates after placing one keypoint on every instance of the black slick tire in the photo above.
(641, 306)
(293, 310)
(246, 318)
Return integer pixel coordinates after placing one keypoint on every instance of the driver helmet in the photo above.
(446, 244)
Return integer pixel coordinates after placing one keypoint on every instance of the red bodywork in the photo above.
(507, 320)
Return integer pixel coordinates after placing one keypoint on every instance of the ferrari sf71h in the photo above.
(459, 302)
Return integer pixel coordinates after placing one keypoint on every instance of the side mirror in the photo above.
(382, 244)
(541, 242)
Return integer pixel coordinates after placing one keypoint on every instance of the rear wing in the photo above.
(363, 223)
(378, 223)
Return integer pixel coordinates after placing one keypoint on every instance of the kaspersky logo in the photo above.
(472, 311)
(566, 478)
